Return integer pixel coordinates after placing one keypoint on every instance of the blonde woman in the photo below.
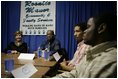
(18, 46)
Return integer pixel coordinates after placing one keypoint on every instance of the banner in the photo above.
(37, 17)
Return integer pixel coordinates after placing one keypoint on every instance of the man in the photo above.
(51, 43)
(101, 59)
(81, 48)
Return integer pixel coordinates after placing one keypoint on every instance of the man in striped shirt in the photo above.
(81, 48)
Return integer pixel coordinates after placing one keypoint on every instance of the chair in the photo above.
(63, 53)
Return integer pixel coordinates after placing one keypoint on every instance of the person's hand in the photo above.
(14, 52)
(63, 64)
(71, 65)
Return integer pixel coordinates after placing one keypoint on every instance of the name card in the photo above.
(26, 56)
(56, 56)
(25, 71)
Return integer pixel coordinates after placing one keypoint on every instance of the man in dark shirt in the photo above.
(51, 43)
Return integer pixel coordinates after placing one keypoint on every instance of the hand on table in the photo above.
(14, 52)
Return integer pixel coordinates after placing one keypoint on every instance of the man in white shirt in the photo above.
(100, 61)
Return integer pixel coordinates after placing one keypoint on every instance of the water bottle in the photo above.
(9, 54)
(39, 52)
(47, 54)
(43, 53)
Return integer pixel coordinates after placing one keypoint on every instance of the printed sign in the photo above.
(37, 17)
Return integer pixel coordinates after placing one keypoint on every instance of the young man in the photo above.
(81, 48)
(101, 59)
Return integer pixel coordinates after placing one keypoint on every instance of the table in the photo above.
(41, 65)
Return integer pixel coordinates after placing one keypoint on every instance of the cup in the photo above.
(9, 65)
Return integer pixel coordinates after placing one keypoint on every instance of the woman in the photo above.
(18, 46)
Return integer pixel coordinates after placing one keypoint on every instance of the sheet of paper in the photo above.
(56, 56)
(25, 71)
(26, 56)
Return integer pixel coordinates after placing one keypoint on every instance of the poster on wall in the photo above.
(37, 17)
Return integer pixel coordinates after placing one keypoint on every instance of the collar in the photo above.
(51, 40)
(81, 43)
(18, 43)
(98, 49)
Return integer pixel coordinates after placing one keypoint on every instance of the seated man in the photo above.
(81, 48)
(18, 45)
(51, 43)
(100, 61)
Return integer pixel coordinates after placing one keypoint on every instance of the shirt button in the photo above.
(99, 54)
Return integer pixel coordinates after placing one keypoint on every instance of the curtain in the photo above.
(68, 13)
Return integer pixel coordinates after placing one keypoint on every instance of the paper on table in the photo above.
(56, 56)
(25, 71)
(26, 56)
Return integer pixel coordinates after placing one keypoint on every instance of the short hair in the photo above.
(110, 20)
(18, 32)
(82, 26)
(51, 31)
